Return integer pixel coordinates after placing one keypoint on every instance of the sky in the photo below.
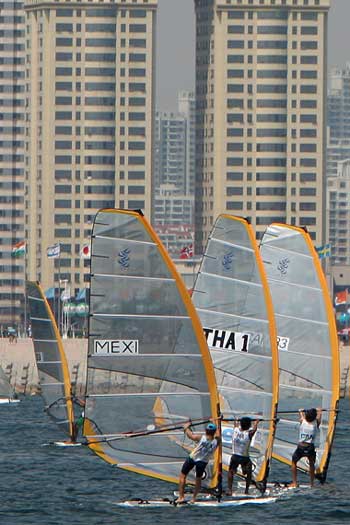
(176, 46)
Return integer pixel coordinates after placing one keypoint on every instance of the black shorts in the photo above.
(190, 463)
(244, 461)
(307, 451)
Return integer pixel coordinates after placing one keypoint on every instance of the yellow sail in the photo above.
(149, 368)
(232, 298)
(51, 360)
(307, 335)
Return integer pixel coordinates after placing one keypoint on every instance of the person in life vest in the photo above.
(198, 459)
(310, 421)
(242, 436)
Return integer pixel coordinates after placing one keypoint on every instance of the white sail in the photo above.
(6, 390)
(149, 369)
(308, 345)
(51, 360)
(233, 301)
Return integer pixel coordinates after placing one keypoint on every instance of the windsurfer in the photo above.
(198, 459)
(310, 421)
(242, 436)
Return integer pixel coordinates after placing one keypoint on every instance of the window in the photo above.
(235, 44)
(234, 176)
(234, 205)
(307, 206)
(308, 44)
(272, 30)
(235, 59)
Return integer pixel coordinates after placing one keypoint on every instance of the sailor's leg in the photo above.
(230, 476)
(294, 475)
(182, 483)
(312, 471)
(248, 469)
(197, 489)
(186, 468)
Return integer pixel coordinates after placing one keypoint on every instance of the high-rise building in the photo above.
(12, 102)
(339, 103)
(338, 112)
(260, 98)
(338, 208)
(90, 121)
(187, 108)
(170, 150)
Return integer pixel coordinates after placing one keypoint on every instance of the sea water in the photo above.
(44, 485)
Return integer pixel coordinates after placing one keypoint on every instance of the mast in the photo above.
(145, 336)
(308, 343)
(234, 304)
(51, 360)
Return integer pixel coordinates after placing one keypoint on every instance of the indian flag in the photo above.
(19, 249)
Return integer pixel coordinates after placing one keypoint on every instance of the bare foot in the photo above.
(292, 486)
(179, 501)
(193, 501)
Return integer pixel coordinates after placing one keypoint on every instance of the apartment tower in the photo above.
(260, 95)
(90, 113)
(12, 120)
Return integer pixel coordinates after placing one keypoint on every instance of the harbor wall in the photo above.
(17, 360)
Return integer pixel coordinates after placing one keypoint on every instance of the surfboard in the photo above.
(225, 502)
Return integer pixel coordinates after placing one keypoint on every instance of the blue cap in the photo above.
(211, 427)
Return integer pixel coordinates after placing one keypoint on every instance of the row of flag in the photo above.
(54, 251)
(20, 249)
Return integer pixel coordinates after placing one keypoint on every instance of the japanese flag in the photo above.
(85, 252)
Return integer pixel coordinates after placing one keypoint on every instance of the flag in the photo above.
(186, 252)
(50, 293)
(324, 251)
(19, 249)
(341, 298)
(85, 252)
(81, 295)
(54, 251)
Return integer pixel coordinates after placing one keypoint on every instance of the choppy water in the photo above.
(49, 486)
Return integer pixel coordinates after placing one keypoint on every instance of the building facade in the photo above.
(187, 108)
(90, 121)
(260, 96)
(338, 208)
(12, 120)
(170, 150)
(339, 103)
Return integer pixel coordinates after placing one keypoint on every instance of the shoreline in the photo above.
(18, 362)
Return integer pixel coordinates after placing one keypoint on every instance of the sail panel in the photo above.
(6, 390)
(50, 359)
(309, 358)
(234, 305)
(148, 363)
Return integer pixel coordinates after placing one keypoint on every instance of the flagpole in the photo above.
(59, 291)
(25, 294)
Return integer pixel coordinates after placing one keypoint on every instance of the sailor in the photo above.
(198, 459)
(310, 421)
(242, 436)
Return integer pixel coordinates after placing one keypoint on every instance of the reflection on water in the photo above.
(43, 485)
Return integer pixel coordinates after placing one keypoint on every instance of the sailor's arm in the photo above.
(319, 416)
(301, 415)
(188, 432)
(254, 429)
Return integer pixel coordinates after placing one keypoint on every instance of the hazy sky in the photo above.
(175, 41)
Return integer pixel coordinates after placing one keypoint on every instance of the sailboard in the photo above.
(201, 502)
(149, 368)
(232, 299)
(52, 363)
(307, 340)
(7, 394)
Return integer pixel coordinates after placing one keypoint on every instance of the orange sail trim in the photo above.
(96, 442)
(65, 369)
(333, 338)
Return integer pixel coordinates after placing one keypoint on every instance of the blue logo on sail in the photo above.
(283, 265)
(124, 258)
(227, 260)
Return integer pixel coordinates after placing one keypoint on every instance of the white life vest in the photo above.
(241, 440)
(204, 450)
(307, 431)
